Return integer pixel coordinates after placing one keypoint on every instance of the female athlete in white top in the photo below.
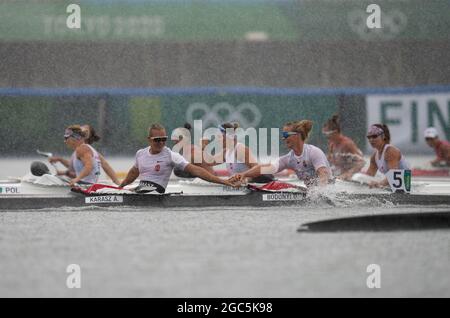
(386, 156)
(154, 164)
(309, 162)
(238, 157)
(85, 160)
(181, 137)
(90, 136)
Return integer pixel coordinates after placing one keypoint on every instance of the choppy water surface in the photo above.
(216, 253)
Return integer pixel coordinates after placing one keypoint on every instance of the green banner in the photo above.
(38, 122)
(213, 20)
(143, 21)
(250, 111)
(319, 20)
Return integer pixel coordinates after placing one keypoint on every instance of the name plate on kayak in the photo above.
(104, 199)
(283, 197)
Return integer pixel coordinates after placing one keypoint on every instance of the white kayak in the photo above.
(52, 185)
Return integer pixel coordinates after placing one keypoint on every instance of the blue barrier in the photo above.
(174, 91)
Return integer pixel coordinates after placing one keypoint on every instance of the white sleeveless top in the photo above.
(305, 165)
(234, 165)
(158, 168)
(78, 166)
(382, 163)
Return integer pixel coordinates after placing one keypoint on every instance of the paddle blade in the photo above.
(363, 178)
(45, 154)
(145, 189)
(277, 186)
(38, 168)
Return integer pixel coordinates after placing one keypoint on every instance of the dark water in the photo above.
(216, 253)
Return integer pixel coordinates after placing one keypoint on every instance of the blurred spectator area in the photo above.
(174, 43)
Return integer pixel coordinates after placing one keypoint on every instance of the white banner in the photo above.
(407, 116)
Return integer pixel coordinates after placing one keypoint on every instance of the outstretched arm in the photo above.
(131, 176)
(205, 175)
(372, 170)
(108, 169)
(324, 176)
(392, 158)
(85, 155)
(63, 161)
(254, 172)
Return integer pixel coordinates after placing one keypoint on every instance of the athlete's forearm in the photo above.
(253, 172)
(131, 176)
(203, 174)
(86, 170)
(324, 176)
(65, 162)
(109, 170)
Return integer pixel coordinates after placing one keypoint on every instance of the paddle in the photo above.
(277, 186)
(141, 189)
(363, 179)
(48, 155)
(45, 154)
(38, 169)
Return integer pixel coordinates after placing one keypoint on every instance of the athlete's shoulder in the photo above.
(314, 149)
(142, 151)
(392, 152)
(167, 151)
(289, 154)
(82, 149)
(349, 141)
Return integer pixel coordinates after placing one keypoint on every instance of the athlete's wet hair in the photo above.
(155, 126)
(230, 125)
(303, 127)
(91, 135)
(77, 130)
(333, 124)
(182, 132)
(387, 134)
(187, 126)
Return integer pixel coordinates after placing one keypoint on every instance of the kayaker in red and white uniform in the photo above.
(308, 161)
(154, 164)
(441, 147)
(386, 156)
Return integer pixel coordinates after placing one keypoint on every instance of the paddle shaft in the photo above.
(48, 155)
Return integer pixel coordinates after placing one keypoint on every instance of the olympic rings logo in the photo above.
(246, 114)
(392, 22)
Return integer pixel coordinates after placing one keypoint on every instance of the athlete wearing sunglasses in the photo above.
(85, 160)
(309, 162)
(89, 136)
(155, 164)
(386, 156)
